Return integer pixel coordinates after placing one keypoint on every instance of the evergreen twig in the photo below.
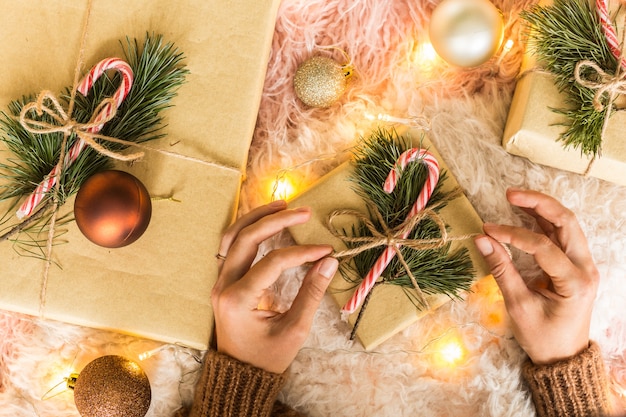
(561, 35)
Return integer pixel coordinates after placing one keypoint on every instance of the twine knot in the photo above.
(390, 237)
(605, 83)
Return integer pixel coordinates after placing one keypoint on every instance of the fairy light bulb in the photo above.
(452, 352)
(448, 351)
(283, 187)
(424, 57)
(427, 52)
(150, 353)
(508, 45)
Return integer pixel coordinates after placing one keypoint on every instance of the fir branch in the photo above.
(158, 73)
(438, 271)
(562, 35)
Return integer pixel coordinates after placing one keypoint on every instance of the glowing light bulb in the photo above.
(452, 352)
(448, 351)
(283, 187)
(508, 45)
(150, 353)
(427, 52)
(423, 57)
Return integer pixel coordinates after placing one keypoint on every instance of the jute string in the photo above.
(61, 162)
(68, 126)
(391, 237)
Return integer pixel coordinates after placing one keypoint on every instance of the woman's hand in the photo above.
(245, 328)
(551, 316)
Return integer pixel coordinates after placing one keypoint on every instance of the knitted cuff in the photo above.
(231, 388)
(574, 387)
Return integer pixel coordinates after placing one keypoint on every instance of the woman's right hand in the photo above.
(550, 316)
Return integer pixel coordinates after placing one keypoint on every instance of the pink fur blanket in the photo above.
(406, 375)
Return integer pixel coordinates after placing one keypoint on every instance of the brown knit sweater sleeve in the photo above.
(575, 387)
(231, 388)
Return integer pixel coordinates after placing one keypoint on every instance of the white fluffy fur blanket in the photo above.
(405, 375)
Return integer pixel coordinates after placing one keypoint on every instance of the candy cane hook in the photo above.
(385, 258)
(106, 111)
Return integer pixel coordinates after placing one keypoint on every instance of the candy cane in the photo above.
(609, 31)
(29, 205)
(422, 199)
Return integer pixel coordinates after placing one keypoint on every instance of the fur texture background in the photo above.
(467, 109)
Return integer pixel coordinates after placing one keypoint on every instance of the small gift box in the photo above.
(158, 287)
(534, 129)
(389, 309)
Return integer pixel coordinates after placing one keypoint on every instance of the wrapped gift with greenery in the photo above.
(420, 223)
(567, 110)
(187, 99)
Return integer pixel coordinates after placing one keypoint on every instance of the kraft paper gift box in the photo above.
(532, 128)
(389, 310)
(158, 287)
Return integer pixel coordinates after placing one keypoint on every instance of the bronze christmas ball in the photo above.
(112, 386)
(112, 209)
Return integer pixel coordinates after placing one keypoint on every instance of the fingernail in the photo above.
(303, 209)
(484, 245)
(277, 204)
(328, 267)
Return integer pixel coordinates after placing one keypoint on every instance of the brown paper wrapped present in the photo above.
(389, 310)
(158, 287)
(532, 128)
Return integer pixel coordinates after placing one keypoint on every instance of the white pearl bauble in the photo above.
(466, 33)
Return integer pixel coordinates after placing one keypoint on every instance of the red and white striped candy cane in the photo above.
(29, 205)
(609, 31)
(383, 261)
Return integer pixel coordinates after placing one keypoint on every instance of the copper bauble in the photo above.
(112, 386)
(112, 209)
(466, 33)
(320, 81)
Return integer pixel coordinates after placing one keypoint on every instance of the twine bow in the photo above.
(606, 83)
(105, 111)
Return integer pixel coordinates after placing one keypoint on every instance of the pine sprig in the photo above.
(438, 271)
(159, 71)
(562, 35)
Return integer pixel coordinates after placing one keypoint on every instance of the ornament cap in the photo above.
(71, 380)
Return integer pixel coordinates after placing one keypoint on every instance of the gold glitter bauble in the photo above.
(320, 81)
(466, 33)
(112, 386)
